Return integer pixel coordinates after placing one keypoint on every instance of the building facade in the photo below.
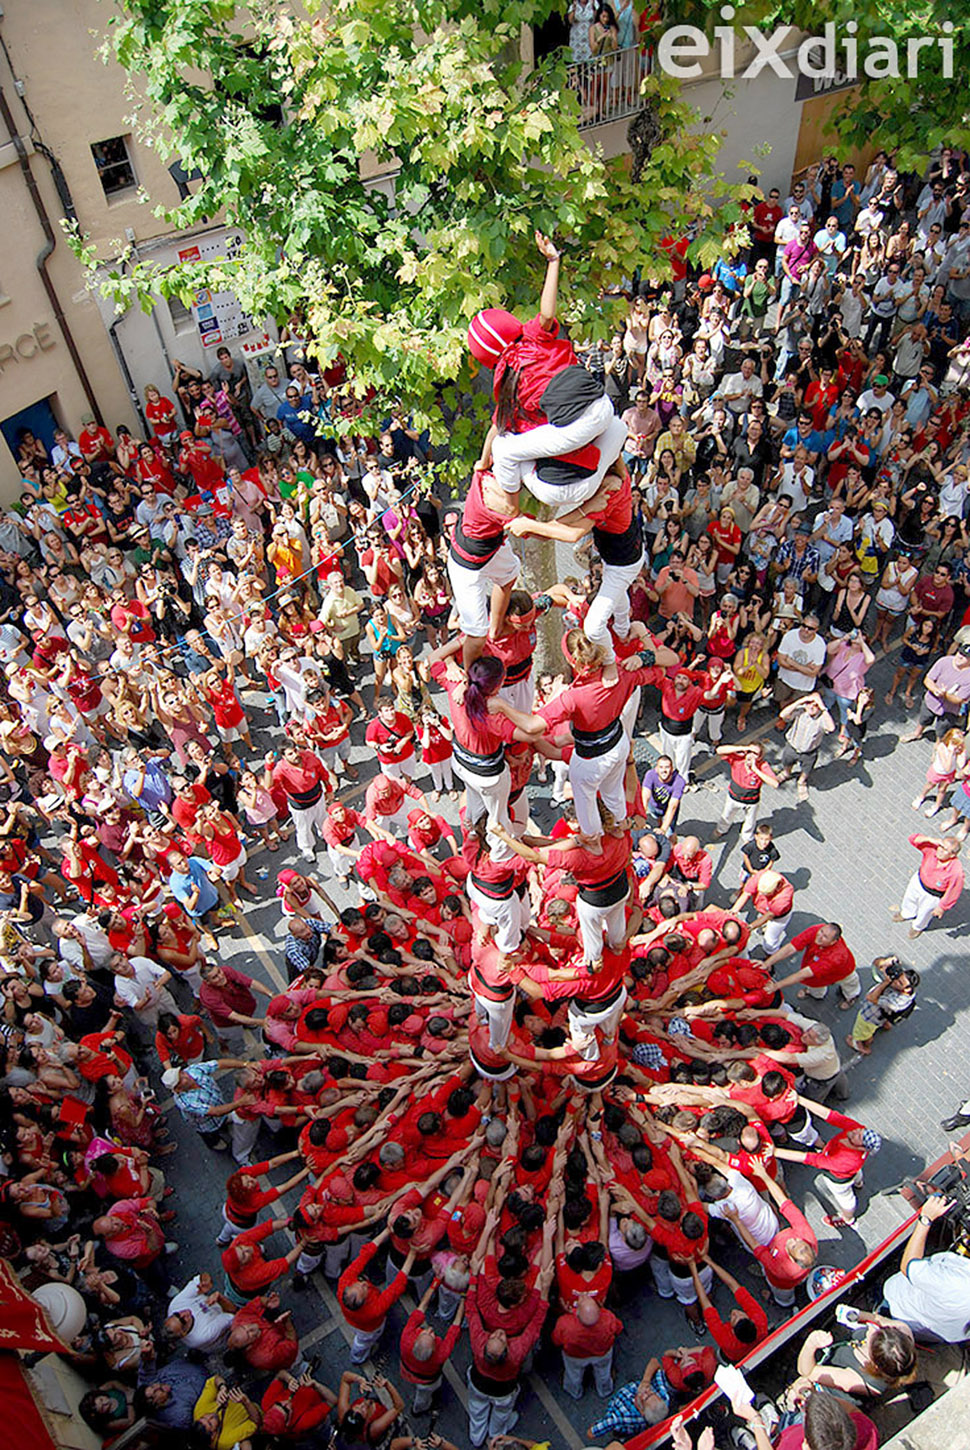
(68, 148)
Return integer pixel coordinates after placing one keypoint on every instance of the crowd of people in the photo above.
(523, 1078)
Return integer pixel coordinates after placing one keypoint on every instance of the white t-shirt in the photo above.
(758, 1217)
(211, 1323)
(803, 652)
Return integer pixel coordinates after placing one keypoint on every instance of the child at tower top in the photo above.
(554, 428)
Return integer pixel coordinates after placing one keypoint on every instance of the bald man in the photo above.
(772, 896)
(586, 1337)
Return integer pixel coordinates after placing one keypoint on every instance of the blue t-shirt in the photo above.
(155, 790)
(183, 883)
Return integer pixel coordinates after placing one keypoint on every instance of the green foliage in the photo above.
(479, 154)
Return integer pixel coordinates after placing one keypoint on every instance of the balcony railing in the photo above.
(609, 85)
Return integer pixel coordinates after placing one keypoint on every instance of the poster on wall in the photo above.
(218, 315)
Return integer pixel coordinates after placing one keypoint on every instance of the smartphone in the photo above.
(729, 1378)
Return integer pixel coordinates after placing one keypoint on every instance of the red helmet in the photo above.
(490, 332)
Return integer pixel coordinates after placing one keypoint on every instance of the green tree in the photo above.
(478, 154)
(911, 114)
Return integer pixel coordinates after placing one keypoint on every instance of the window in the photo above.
(115, 170)
(182, 319)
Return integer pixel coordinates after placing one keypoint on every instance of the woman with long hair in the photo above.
(483, 725)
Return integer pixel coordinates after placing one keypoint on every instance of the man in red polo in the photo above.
(391, 736)
(826, 960)
(386, 801)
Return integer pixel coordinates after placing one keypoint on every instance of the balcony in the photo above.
(608, 86)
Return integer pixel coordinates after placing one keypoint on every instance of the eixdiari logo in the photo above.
(837, 54)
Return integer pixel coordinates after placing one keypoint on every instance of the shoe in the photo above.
(954, 1124)
(171, 1248)
(801, 791)
(931, 810)
(299, 1283)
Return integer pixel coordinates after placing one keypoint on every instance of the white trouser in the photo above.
(683, 1285)
(560, 774)
(629, 713)
(335, 1258)
(548, 441)
(489, 1415)
(612, 602)
(774, 931)
(735, 810)
(603, 776)
(574, 1369)
(402, 769)
(510, 451)
(850, 987)
(441, 774)
(504, 913)
(807, 1135)
(498, 1015)
(660, 1268)
(342, 865)
(229, 1230)
(585, 1019)
(397, 823)
(448, 1302)
(841, 1195)
(424, 1394)
(472, 588)
(680, 748)
(308, 822)
(597, 921)
(521, 695)
(918, 904)
(714, 720)
(244, 1132)
(488, 795)
(364, 1341)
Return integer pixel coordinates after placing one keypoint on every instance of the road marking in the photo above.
(553, 1410)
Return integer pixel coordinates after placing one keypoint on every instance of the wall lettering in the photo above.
(27, 345)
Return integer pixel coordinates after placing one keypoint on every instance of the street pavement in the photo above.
(846, 852)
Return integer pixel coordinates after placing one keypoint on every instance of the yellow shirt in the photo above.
(236, 1424)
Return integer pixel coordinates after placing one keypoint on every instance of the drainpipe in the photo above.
(43, 256)
(122, 362)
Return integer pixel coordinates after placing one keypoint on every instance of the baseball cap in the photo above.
(881, 381)
(170, 1077)
(871, 1140)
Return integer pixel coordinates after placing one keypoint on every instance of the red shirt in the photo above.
(942, 878)
(392, 742)
(338, 833)
(779, 903)
(391, 802)
(723, 1333)
(481, 739)
(593, 706)
(304, 782)
(586, 1341)
(827, 964)
(781, 1270)
(260, 1272)
(189, 1045)
(425, 1371)
(225, 705)
(682, 706)
(374, 1310)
